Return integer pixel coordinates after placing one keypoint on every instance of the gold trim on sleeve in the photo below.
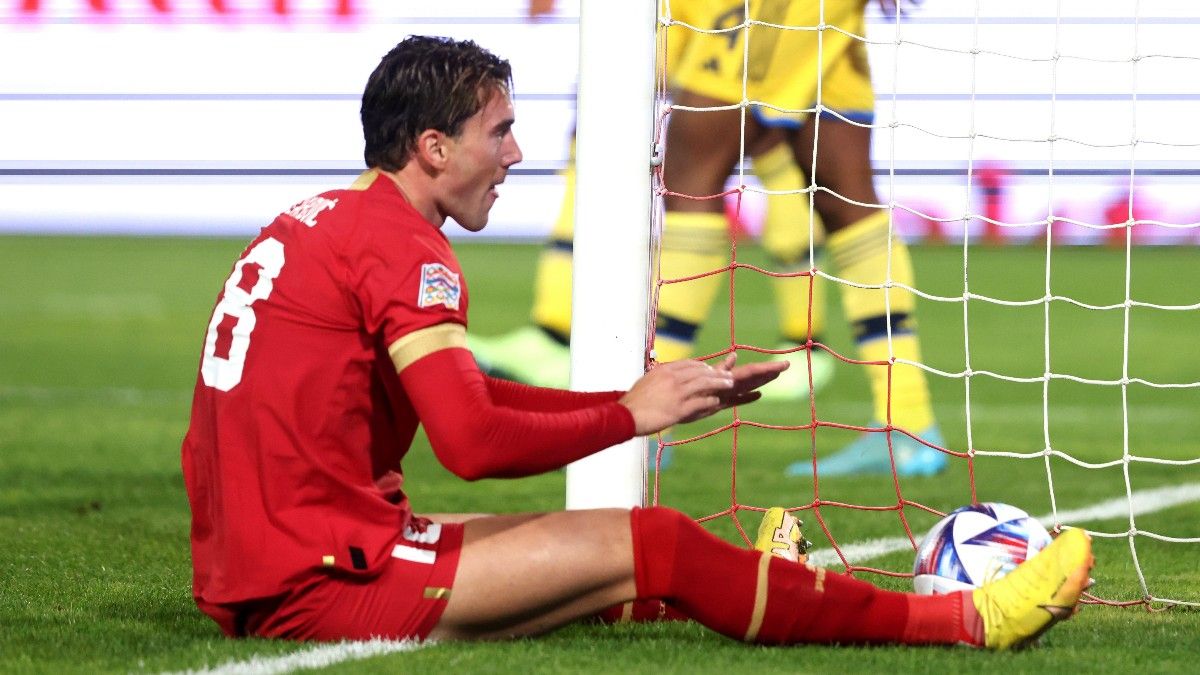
(417, 344)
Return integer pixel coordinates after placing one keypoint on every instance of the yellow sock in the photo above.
(692, 243)
(911, 408)
(860, 254)
(552, 281)
(792, 305)
(788, 227)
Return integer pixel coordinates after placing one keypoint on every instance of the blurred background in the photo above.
(209, 116)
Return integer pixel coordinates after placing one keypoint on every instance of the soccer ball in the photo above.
(974, 545)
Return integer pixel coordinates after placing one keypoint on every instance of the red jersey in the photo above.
(299, 420)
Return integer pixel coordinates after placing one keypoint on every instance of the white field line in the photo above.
(319, 656)
(1141, 502)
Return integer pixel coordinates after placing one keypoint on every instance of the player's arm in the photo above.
(543, 399)
(474, 435)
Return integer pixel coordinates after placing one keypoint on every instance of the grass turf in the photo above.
(99, 342)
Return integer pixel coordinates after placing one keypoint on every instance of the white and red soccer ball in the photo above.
(976, 544)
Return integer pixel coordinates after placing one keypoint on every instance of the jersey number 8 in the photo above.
(233, 320)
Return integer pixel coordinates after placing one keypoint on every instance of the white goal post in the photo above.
(614, 138)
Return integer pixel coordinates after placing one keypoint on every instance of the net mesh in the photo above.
(1006, 136)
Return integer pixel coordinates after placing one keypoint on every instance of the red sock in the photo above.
(942, 619)
(754, 596)
(641, 611)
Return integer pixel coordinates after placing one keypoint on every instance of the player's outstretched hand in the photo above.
(685, 391)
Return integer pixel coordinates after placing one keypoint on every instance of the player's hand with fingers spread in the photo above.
(748, 378)
(685, 391)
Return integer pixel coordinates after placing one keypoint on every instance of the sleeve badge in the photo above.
(439, 286)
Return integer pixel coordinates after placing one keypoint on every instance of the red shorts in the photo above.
(404, 601)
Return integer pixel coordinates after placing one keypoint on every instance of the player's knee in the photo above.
(603, 526)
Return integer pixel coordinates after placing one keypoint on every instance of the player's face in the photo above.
(478, 162)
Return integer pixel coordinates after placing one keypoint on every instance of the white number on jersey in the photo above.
(233, 320)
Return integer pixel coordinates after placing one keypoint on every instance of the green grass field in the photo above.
(99, 342)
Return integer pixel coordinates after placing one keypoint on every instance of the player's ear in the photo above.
(431, 149)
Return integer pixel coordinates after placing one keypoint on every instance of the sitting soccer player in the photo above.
(341, 328)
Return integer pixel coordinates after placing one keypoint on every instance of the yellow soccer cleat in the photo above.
(779, 534)
(1042, 591)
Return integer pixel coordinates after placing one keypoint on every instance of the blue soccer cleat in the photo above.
(869, 455)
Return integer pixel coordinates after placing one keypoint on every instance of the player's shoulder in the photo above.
(333, 207)
(366, 224)
(369, 202)
(318, 208)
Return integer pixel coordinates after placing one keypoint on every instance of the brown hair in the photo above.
(425, 83)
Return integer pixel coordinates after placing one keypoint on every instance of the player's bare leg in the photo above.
(843, 166)
(495, 599)
(702, 149)
(527, 574)
(454, 517)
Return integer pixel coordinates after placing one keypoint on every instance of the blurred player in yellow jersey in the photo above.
(538, 353)
(790, 73)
